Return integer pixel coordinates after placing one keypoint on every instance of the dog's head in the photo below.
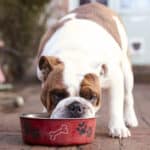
(64, 98)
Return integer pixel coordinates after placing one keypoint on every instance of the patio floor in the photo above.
(11, 139)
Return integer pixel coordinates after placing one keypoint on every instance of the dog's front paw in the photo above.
(120, 131)
(130, 119)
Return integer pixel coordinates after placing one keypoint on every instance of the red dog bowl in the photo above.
(40, 130)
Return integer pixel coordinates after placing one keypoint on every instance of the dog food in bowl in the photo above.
(40, 130)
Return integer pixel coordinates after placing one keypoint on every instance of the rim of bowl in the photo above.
(44, 116)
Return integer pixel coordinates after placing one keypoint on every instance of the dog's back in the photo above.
(94, 12)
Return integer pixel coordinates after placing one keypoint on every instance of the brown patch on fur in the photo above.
(53, 85)
(47, 64)
(90, 89)
(101, 15)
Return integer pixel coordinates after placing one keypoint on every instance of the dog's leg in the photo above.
(129, 113)
(117, 126)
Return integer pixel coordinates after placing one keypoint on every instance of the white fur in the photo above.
(116, 122)
(129, 113)
(122, 33)
(84, 46)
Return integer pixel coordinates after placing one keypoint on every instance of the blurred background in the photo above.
(22, 23)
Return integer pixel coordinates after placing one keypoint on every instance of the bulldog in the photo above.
(86, 51)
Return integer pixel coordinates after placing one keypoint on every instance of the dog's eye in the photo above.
(91, 96)
(58, 96)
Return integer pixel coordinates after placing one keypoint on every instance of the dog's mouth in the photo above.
(73, 108)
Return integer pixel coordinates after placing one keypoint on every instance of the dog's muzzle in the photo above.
(73, 107)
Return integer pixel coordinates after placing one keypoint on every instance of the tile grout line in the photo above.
(120, 144)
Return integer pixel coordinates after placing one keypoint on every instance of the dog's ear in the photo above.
(47, 64)
(45, 99)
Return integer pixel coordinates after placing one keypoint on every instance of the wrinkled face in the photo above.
(56, 96)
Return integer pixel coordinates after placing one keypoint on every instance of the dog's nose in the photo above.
(76, 110)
